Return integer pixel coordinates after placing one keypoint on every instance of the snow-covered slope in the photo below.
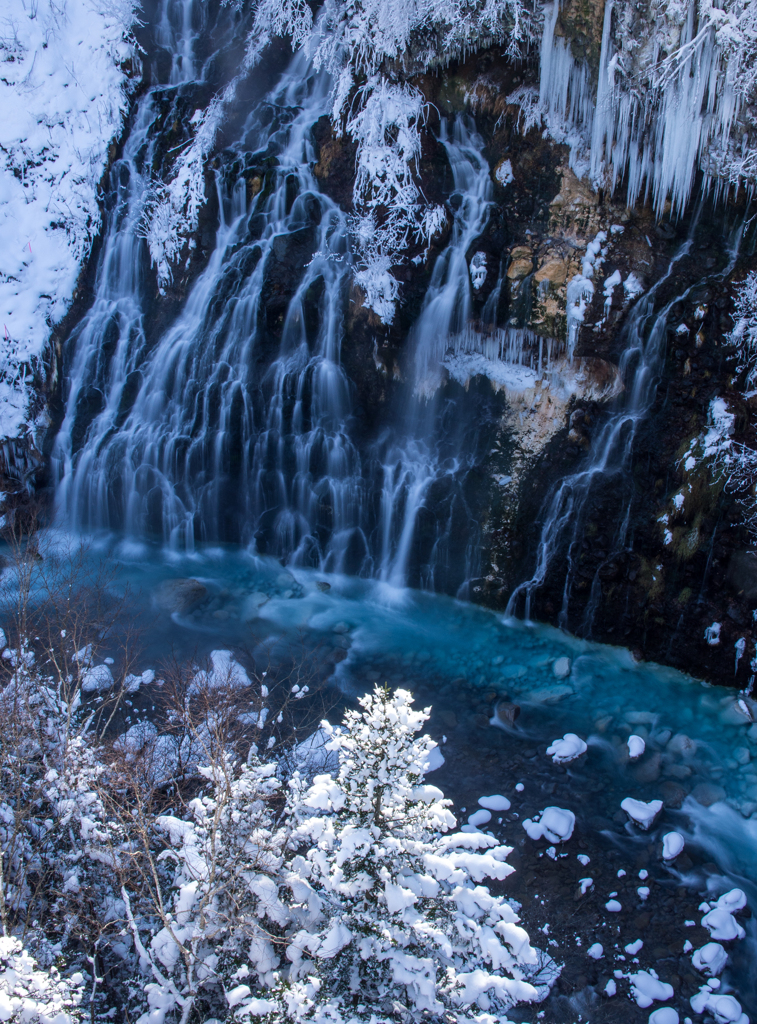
(63, 87)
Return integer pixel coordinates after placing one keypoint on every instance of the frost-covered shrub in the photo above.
(744, 333)
(60, 847)
(31, 995)
(357, 37)
(386, 195)
(217, 910)
(224, 894)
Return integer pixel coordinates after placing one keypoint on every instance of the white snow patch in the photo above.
(712, 634)
(63, 99)
(504, 173)
(636, 746)
(478, 818)
(646, 988)
(554, 823)
(633, 287)
(672, 844)
(495, 803)
(640, 812)
(725, 1009)
(568, 748)
(478, 270)
(434, 760)
(664, 1015)
(710, 959)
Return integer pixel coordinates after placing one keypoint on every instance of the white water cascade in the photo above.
(193, 433)
(235, 422)
(426, 457)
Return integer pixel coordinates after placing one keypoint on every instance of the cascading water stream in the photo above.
(202, 439)
(231, 425)
(413, 463)
(611, 452)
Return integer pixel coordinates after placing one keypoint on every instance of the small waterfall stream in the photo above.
(563, 516)
(430, 453)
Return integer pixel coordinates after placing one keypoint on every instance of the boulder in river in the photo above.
(181, 595)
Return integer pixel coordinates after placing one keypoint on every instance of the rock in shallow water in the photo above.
(181, 595)
(707, 794)
(561, 668)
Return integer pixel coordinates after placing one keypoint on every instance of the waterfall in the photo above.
(563, 515)
(422, 458)
(195, 438)
(235, 421)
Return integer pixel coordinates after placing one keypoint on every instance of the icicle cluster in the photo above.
(663, 107)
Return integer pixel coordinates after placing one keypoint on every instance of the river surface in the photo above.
(471, 666)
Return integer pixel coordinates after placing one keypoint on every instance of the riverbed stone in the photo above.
(673, 794)
(181, 595)
(551, 694)
(561, 668)
(707, 793)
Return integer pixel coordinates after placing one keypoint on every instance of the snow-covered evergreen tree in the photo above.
(390, 913)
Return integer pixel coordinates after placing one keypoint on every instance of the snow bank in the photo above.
(63, 99)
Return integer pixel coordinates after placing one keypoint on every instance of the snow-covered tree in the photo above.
(389, 913)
